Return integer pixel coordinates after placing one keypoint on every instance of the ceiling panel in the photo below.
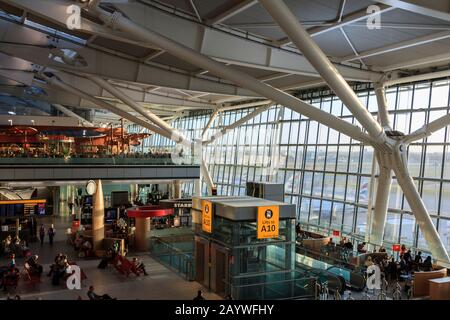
(127, 48)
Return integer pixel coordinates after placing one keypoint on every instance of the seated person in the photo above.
(78, 242)
(34, 267)
(7, 243)
(427, 265)
(26, 252)
(362, 248)
(86, 248)
(93, 296)
(139, 266)
(11, 276)
(368, 262)
(12, 260)
(108, 258)
(348, 245)
(58, 269)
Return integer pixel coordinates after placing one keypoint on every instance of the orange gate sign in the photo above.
(268, 222)
(207, 216)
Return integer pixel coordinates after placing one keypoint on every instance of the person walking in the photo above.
(42, 234)
(51, 234)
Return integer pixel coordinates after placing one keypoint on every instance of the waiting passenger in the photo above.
(199, 296)
(93, 296)
(418, 258)
(368, 261)
(362, 248)
(139, 266)
(402, 250)
(349, 245)
(427, 265)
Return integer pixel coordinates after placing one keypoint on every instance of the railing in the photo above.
(276, 286)
(174, 258)
(343, 259)
(109, 161)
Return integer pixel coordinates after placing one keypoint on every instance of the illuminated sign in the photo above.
(207, 216)
(268, 222)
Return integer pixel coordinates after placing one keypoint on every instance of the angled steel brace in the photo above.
(301, 38)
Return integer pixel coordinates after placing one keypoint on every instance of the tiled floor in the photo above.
(161, 283)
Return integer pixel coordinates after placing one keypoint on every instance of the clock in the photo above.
(91, 187)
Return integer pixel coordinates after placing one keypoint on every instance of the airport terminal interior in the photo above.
(224, 149)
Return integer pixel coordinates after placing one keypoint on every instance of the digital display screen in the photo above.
(88, 200)
(110, 214)
(41, 209)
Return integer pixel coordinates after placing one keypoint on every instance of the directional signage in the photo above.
(207, 216)
(268, 222)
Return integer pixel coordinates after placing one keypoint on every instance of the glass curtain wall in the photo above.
(327, 174)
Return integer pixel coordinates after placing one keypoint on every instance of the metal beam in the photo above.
(119, 94)
(104, 105)
(72, 114)
(437, 9)
(231, 12)
(397, 46)
(416, 78)
(292, 27)
(238, 123)
(346, 20)
(194, 7)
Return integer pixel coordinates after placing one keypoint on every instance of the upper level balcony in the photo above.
(43, 149)
(128, 168)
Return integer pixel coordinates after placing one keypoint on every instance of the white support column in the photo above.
(61, 85)
(301, 38)
(418, 208)
(117, 20)
(210, 122)
(370, 198)
(239, 122)
(428, 129)
(207, 177)
(135, 106)
(381, 201)
(383, 114)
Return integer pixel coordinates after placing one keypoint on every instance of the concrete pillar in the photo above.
(63, 203)
(177, 189)
(56, 202)
(17, 227)
(134, 189)
(98, 216)
(142, 234)
(198, 187)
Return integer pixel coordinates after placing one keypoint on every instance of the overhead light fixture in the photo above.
(12, 113)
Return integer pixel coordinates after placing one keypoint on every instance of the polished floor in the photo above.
(161, 283)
